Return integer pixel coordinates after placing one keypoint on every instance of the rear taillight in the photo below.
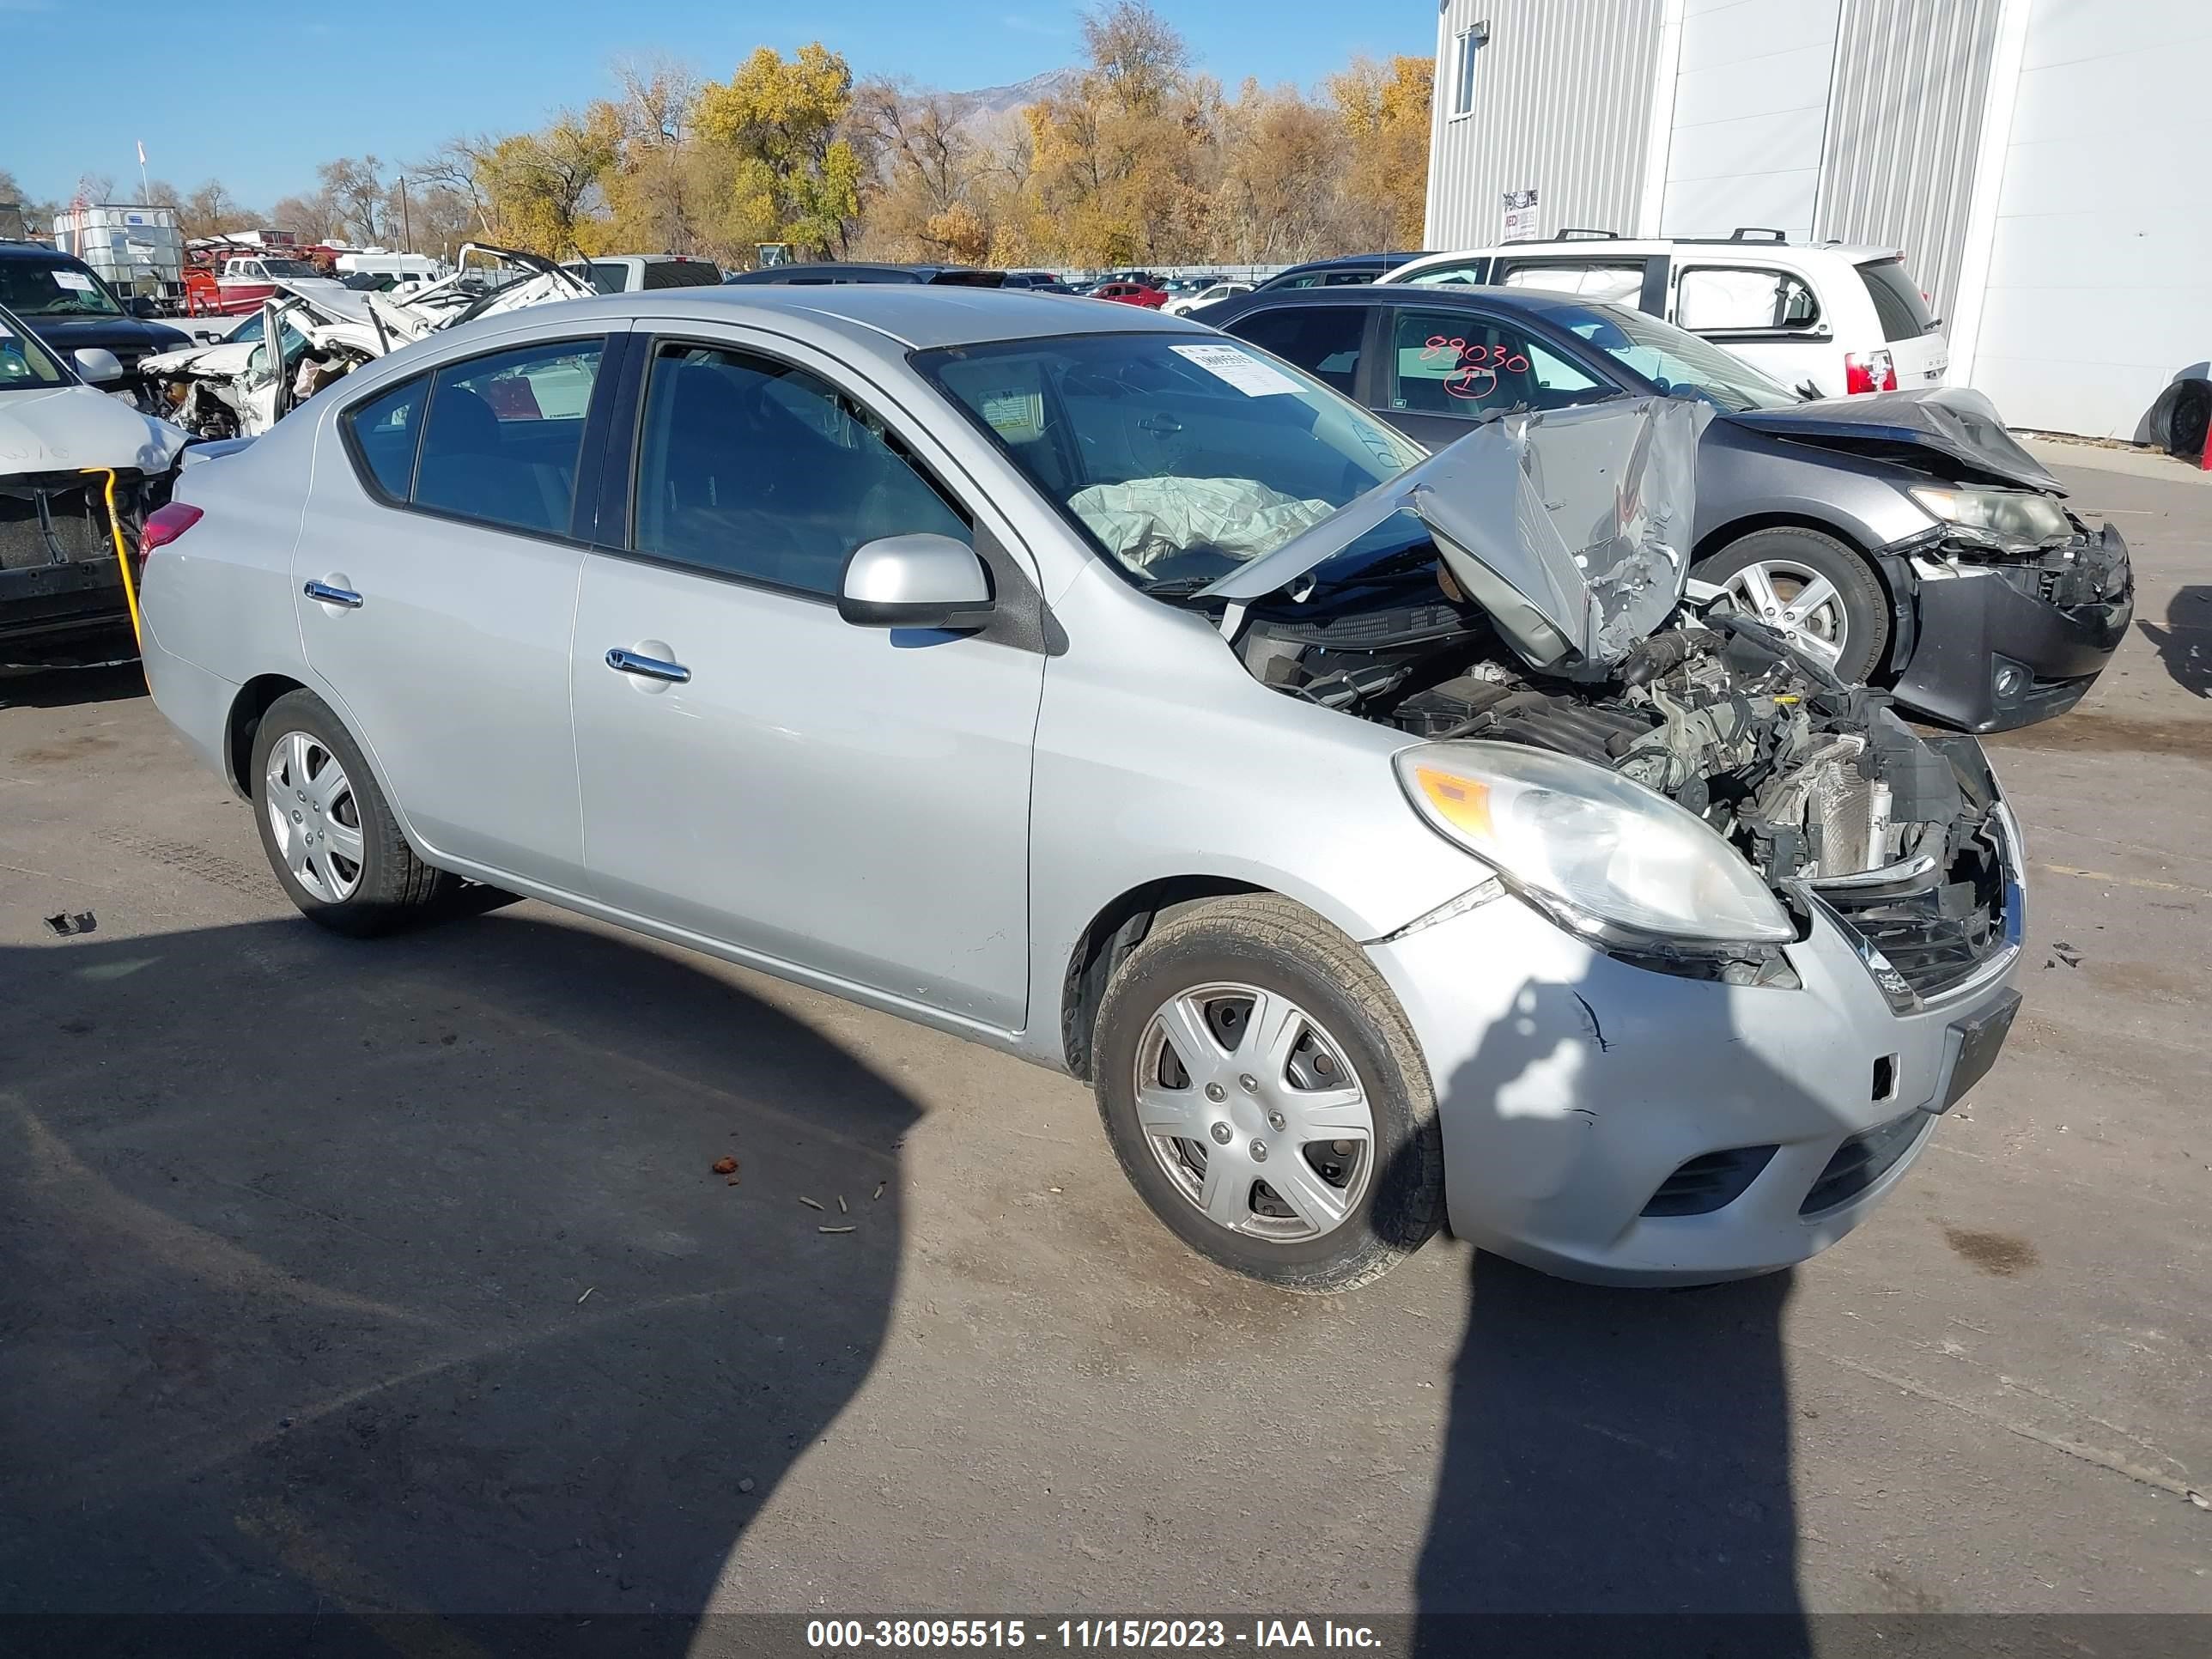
(1873, 372)
(163, 525)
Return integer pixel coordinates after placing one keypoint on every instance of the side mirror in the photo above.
(142, 307)
(96, 366)
(921, 580)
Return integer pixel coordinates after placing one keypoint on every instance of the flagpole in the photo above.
(144, 189)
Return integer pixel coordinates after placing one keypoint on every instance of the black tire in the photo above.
(1859, 590)
(1266, 942)
(391, 887)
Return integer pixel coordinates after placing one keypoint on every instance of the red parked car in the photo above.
(1132, 294)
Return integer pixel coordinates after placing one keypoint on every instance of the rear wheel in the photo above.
(1814, 588)
(332, 838)
(1265, 1095)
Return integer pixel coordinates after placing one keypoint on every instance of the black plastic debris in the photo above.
(2062, 952)
(63, 926)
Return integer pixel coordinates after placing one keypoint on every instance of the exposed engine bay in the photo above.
(1810, 779)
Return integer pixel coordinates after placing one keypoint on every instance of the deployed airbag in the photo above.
(1145, 520)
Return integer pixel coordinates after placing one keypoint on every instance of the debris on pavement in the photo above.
(64, 925)
(843, 1208)
(836, 1229)
(726, 1166)
(588, 1289)
(808, 1202)
(2060, 952)
(880, 1185)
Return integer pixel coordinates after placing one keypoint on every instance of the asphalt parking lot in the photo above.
(359, 1279)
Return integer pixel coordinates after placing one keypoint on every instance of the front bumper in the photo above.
(2004, 644)
(1577, 1091)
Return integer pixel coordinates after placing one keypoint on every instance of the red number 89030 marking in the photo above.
(1475, 373)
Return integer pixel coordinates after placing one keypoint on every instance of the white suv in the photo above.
(1838, 319)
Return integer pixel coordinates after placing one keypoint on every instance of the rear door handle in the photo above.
(651, 668)
(328, 595)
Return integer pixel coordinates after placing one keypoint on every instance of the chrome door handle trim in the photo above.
(328, 595)
(652, 668)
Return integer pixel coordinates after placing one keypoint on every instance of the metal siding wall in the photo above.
(1562, 101)
(1904, 124)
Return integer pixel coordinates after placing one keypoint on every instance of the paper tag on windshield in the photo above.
(1246, 373)
(1016, 416)
(73, 279)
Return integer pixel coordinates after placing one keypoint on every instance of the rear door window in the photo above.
(1591, 279)
(1455, 362)
(500, 440)
(1459, 273)
(383, 432)
(1322, 340)
(1725, 299)
(1897, 300)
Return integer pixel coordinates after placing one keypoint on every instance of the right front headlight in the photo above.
(1601, 854)
(2018, 520)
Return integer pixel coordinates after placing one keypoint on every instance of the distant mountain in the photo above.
(980, 105)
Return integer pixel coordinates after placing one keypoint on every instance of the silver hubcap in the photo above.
(1799, 601)
(1253, 1113)
(312, 809)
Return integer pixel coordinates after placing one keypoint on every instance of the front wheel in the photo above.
(331, 837)
(1810, 585)
(1266, 1096)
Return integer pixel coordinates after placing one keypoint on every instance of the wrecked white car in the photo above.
(324, 330)
(80, 471)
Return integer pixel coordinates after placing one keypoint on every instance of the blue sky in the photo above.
(394, 78)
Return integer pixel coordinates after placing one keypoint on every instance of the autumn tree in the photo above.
(1125, 161)
(543, 186)
(210, 210)
(1384, 108)
(355, 198)
(786, 168)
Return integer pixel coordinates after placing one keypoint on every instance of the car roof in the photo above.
(1353, 262)
(1466, 295)
(1644, 247)
(918, 315)
(37, 250)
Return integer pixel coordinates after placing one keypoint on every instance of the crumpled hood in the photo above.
(1955, 420)
(68, 429)
(1571, 527)
(225, 358)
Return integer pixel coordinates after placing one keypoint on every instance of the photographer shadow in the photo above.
(1615, 1475)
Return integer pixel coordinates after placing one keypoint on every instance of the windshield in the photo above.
(1179, 455)
(1674, 359)
(289, 268)
(23, 361)
(41, 288)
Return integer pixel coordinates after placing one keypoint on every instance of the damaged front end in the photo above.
(1515, 593)
(2011, 604)
(62, 538)
(2011, 629)
(236, 389)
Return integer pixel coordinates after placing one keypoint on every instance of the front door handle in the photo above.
(328, 595)
(651, 668)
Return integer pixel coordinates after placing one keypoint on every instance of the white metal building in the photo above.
(2042, 163)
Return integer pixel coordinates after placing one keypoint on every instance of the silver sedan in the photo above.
(1387, 837)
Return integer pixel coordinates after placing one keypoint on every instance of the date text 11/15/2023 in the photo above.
(838, 1636)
